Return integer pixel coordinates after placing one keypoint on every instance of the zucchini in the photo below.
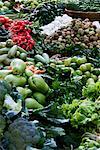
(21, 50)
(3, 57)
(4, 50)
(46, 57)
(40, 58)
(13, 51)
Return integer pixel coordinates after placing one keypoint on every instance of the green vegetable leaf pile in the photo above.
(81, 112)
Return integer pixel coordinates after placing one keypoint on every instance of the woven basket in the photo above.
(93, 16)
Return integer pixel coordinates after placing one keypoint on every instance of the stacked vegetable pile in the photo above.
(20, 32)
(46, 12)
(82, 33)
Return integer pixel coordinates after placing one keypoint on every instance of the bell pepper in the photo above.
(18, 66)
(15, 80)
(37, 83)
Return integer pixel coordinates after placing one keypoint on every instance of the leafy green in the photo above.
(81, 112)
(10, 104)
(92, 90)
(90, 142)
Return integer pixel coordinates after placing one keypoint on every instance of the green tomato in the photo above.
(88, 66)
(74, 59)
(81, 60)
(7, 4)
(83, 68)
(67, 61)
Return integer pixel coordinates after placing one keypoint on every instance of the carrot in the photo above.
(31, 67)
(39, 71)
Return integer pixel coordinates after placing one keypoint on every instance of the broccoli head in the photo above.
(22, 133)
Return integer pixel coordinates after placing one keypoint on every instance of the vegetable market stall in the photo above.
(49, 79)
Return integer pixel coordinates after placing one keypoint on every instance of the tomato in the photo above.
(2, 20)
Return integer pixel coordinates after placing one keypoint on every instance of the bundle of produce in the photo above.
(46, 12)
(5, 22)
(22, 134)
(20, 32)
(82, 113)
(9, 51)
(11, 120)
(82, 33)
(27, 78)
(70, 75)
(21, 35)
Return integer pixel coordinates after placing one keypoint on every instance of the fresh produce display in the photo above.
(82, 33)
(9, 51)
(46, 12)
(49, 78)
(20, 34)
